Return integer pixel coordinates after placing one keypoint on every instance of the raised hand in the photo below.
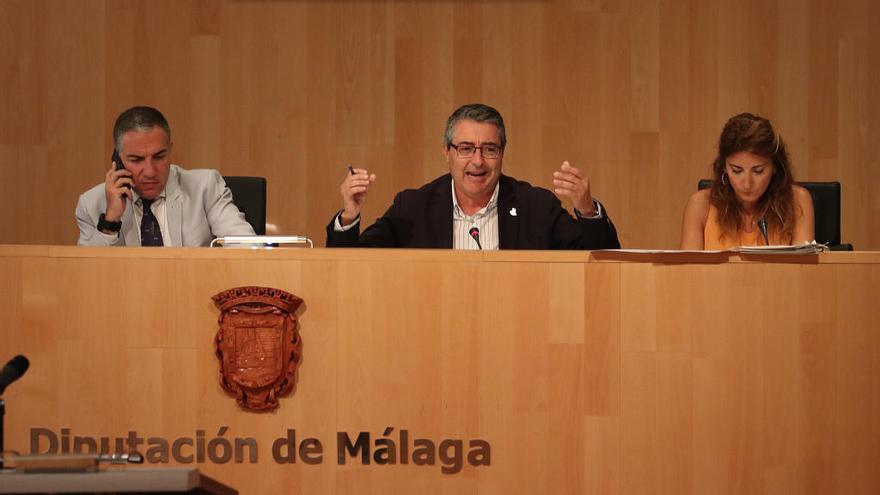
(571, 182)
(354, 192)
(117, 187)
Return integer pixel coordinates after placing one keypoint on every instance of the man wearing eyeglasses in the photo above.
(475, 206)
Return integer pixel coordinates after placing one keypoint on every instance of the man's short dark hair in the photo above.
(478, 113)
(138, 119)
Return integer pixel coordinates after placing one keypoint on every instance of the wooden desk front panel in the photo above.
(584, 376)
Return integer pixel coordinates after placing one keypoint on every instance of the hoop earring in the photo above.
(724, 178)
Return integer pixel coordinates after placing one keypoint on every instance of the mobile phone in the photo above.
(117, 162)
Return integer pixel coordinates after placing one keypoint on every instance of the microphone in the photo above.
(762, 224)
(13, 370)
(475, 233)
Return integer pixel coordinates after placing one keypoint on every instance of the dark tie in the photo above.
(151, 234)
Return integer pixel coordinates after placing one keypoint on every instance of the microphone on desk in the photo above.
(13, 370)
(762, 224)
(475, 233)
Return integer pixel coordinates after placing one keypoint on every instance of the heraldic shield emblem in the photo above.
(258, 344)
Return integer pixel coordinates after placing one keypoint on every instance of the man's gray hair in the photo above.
(138, 119)
(478, 113)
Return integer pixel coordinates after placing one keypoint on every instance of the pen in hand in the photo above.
(350, 169)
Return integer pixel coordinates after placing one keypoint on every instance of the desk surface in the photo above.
(440, 255)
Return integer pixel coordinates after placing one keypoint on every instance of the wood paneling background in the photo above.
(633, 91)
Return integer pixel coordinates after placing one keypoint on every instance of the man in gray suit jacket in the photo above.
(150, 202)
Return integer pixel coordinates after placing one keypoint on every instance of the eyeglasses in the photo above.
(467, 150)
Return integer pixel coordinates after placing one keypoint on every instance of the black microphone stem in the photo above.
(2, 415)
(14, 369)
(762, 225)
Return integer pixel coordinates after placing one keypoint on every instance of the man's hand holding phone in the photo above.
(117, 187)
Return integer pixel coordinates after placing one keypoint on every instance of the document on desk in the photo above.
(810, 248)
(660, 251)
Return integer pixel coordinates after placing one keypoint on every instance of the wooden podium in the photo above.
(584, 372)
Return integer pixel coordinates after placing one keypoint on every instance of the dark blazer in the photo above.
(422, 218)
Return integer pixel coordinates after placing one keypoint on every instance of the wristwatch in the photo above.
(598, 213)
(105, 225)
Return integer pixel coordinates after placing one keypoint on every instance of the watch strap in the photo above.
(105, 225)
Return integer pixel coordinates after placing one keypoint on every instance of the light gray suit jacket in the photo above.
(198, 204)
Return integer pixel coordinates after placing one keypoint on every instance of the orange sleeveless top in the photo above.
(713, 240)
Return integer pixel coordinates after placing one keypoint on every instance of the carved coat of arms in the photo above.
(258, 344)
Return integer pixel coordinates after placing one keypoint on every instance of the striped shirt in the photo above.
(485, 219)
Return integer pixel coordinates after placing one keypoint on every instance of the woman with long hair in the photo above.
(752, 188)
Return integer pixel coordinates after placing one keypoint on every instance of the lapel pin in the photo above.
(513, 212)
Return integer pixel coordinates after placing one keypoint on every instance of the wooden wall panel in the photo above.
(633, 91)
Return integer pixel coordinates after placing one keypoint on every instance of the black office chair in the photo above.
(249, 195)
(826, 208)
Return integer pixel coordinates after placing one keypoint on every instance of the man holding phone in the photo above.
(145, 200)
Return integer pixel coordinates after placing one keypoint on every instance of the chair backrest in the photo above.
(249, 195)
(826, 208)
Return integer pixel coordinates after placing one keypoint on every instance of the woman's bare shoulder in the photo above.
(802, 200)
(695, 215)
(699, 200)
(697, 209)
(800, 193)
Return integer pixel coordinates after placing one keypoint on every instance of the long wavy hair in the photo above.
(748, 132)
